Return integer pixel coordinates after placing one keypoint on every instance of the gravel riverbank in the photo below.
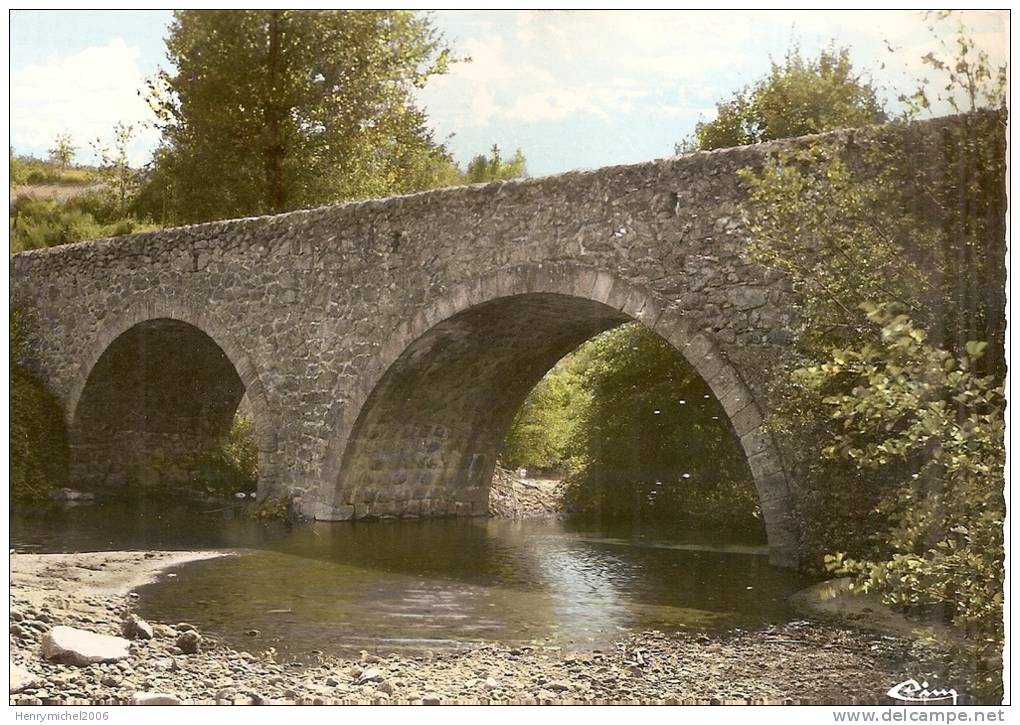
(803, 661)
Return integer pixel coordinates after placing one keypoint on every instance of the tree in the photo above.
(797, 98)
(494, 168)
(114, 166)
(969, 79)
(266, 111)
(650, 438)
(892, 411)
(63, 150)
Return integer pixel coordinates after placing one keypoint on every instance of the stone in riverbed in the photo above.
(189, 642)
(154, 698)
(134, 627)
(80, 647)
(69, 495)
(21, 679)
(370, 675)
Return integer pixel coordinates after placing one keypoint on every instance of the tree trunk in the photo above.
(276, 149)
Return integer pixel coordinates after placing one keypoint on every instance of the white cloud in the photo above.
(482, 108)
(84, 94)
(537, 74)
(556, 104)
(488, 63)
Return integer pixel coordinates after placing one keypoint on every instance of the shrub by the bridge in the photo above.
(231, 465)
(923, 422)
(894, 429)
(38, 439)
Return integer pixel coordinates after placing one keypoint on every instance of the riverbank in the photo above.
(516, 496)
(800, 661)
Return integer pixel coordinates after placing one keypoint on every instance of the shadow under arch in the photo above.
(163, 372)
(420, 435)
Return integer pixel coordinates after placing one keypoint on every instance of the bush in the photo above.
(38, 223)
(232, 464)
(38, 438)
(922, 421)
(652, 441)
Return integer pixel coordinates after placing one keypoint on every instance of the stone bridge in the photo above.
(382, 347)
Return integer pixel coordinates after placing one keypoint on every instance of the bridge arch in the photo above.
(163, 357)
(474, 354)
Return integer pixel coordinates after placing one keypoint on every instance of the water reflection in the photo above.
(425, 584)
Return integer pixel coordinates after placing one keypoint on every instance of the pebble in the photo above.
(189, 641)
(681, 666)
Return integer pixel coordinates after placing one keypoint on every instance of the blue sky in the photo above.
(572, 89)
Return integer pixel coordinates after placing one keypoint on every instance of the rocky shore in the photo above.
(170, 662)
(515, 495)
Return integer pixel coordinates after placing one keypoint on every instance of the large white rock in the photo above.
(20, 678)
(80, 647)
(154, 698)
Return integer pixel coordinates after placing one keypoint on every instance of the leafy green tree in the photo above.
(544, 430)
(932, 429)
(967, 79)
(652, 441)
(892, 413)
(63, 150)
(270, 110)
(494, 168)
(798, 97)
(114, 165)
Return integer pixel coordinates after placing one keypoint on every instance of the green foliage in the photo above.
(833, 234)
(797, 98)
(641, 432)
(232, 464)
(494, 168)
(30, 171)
(48, 217)
(892, 408)
(63, 150)
(968, 80)
(544, 431)
(266, 111)
(923, 422)
(41, 222)
(653, 441)
(271, 509)
(119, 179)
(38, 438)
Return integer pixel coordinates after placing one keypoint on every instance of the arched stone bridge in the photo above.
(383, 346)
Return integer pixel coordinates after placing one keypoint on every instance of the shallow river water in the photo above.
(418, 585)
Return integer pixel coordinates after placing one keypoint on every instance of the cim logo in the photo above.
(912, 691)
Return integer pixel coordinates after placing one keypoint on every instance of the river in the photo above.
(412, 586)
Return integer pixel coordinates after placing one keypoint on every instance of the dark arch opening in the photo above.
(159, 400)
(426, 439)
(624, 432)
